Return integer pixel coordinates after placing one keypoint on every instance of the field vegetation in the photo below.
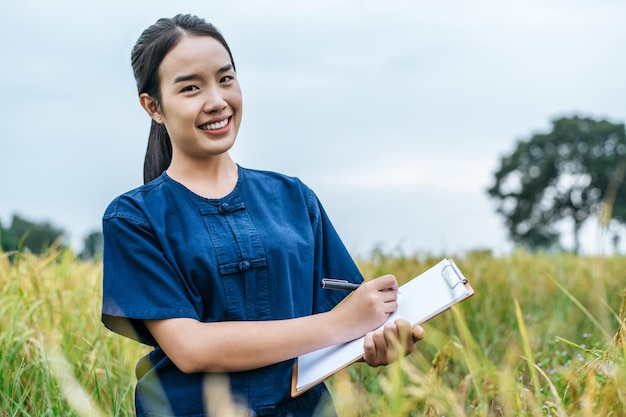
(543, 336)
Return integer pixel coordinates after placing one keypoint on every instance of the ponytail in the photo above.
(158, 152)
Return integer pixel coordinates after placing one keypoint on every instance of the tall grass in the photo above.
(543, 336)
(55, 357)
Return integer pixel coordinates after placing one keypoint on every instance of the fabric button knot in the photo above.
(244, 265)
(224, 207)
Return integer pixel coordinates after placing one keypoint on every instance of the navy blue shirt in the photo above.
(258, 253)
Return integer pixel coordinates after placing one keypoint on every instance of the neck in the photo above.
(214, 178)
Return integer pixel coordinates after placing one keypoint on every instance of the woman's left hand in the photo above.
(386, 345)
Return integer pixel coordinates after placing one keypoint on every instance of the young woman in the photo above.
(218, 266)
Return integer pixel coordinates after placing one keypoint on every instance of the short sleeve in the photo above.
(139, 283)
(332, 258)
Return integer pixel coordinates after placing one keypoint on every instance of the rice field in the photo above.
(543, 336)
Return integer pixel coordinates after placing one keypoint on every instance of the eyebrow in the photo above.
(193, 77)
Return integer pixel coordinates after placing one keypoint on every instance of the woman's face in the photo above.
(200, 102)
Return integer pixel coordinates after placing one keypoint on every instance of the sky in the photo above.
(395, 112)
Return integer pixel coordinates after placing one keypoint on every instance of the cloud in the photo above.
(398, 100)
(401, 173)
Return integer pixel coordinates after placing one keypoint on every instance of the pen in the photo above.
(338, 284)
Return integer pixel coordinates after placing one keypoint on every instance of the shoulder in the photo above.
(132, 204)
(274, 180)
(265, 175)
(281, 190)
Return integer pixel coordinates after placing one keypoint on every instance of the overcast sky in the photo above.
(395, 112)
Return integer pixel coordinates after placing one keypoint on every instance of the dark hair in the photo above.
(151, 47)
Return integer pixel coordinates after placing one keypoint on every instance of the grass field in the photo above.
(543, 336)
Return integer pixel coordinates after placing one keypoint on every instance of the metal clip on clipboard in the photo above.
(453, 275)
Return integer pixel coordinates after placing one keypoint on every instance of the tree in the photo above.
(37, 237)
(7, 240)
(565, 174)
(92, 246)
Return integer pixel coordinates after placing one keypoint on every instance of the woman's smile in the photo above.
(217, 128)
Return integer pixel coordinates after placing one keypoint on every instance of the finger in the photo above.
(390, 332)
(405, 335)
(418, 332)
(404, 327)
(385, 283)
(390, 306)
(389, 295)
(392, 343)
(382, 347)
(383, 338)
(368, 343)
(369, 349)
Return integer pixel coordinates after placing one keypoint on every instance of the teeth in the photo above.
(213, 126)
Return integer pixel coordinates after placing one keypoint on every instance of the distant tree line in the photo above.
(38, 237)
(569, 175)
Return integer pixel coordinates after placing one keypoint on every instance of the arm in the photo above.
(243, 345)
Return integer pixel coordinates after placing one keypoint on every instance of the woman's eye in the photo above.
(189, 88)
(227, 78)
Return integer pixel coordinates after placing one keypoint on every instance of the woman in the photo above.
(218, 266)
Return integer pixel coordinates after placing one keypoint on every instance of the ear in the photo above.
(151, 106)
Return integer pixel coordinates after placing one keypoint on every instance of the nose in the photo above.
(214, 100)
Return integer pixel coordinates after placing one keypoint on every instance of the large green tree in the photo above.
(37, 237)
(574, 172)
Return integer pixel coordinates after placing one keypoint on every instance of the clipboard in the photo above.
(419, 300)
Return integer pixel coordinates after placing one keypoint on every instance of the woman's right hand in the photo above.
(368, 307)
